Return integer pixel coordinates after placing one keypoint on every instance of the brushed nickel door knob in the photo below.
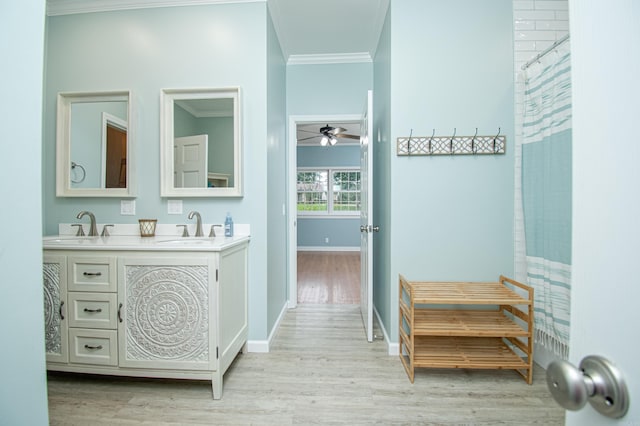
(596, 381)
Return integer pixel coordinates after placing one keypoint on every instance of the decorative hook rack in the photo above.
(452, 145)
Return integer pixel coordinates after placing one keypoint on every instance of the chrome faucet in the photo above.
(93, 230)
(198, 223)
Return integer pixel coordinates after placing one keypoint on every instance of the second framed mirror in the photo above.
(200, 143)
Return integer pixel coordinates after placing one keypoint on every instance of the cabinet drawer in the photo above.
(92, 274)
(93, 310)
(93, 346)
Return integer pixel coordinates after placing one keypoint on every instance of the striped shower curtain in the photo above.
(543, 195)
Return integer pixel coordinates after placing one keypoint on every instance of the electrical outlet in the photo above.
(326, 240)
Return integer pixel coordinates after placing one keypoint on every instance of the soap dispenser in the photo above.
(228, 226)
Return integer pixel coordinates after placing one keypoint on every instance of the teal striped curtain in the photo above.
(546, 195)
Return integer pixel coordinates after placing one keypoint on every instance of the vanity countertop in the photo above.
(132, 242)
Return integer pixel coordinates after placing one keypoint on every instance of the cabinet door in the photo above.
(166, 312)
(54, 274)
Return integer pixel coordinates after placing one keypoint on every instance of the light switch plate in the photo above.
(174, 207)
(128, 207)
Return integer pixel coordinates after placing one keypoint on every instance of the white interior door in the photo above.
(605, 286)
(190, 161)
(366, 218)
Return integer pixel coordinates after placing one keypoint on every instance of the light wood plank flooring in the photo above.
(329, 277)
(320, 371)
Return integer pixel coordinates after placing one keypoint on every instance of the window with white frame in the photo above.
(332, 192)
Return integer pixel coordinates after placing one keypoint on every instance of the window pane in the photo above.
(312, 191)
(346, 191)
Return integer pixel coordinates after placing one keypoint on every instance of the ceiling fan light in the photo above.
(333, 140)
(324, 141)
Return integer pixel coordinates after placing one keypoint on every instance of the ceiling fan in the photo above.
(329, 135)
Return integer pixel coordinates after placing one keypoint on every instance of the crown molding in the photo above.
(70, 7)
(330, 58)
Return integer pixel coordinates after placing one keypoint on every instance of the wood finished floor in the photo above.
(329, 277)
(320, 371)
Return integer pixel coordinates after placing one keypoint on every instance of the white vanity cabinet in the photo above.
(147, 313)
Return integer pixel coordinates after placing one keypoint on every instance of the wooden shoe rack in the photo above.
(475, 325)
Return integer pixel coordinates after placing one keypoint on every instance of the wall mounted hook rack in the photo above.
(451, 145)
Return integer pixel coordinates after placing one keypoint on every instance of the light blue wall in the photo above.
(145, 51)
(329, 156)
(277, 291)
(23, 392)
(451, 218)
(328, 88)
(342, 233)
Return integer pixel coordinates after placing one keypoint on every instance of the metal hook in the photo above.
(431, 139)
(409, 143)
(473, 141)
(451, 141)
(494, 139)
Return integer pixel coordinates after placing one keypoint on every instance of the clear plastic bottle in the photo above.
(228, 226)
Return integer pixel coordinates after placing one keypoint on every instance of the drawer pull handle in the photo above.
(119, 315)
(60, 310)
(92, 274)
(93, 311)
(93, 348)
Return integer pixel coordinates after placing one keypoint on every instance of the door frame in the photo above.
(292, 212)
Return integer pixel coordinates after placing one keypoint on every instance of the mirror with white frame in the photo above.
(200, 143)
(94, 145)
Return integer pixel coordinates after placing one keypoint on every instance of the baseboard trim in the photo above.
(325, 248)
(258, 346)
(262, 346)
(392, 348)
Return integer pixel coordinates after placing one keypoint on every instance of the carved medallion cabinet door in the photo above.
(54, 274)
(165, 312)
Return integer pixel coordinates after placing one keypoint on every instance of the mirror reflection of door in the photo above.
(114, 152)
(190, 158)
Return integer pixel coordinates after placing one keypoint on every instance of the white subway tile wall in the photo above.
(537, 25)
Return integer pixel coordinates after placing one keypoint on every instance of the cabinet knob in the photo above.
(597, 381)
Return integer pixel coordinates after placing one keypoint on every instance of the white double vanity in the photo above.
(163, 306)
